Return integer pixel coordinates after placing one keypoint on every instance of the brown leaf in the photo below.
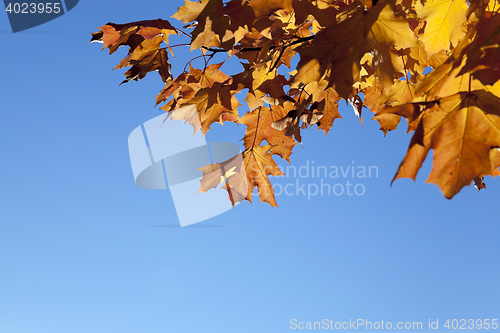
(145, 58)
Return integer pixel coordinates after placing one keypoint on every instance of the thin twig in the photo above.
(179, 45)
(250, 49)
(184, 33)
(192, 60)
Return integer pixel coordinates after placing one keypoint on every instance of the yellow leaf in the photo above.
(445, 19)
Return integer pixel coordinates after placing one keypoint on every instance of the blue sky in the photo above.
(84, 249)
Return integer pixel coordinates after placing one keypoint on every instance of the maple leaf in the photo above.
(445, 19)
(182, 89)
(259, 128)
(209, 75)
(211, 177)
(461, 129)
(147, 57)
(132, 34)
(446, 79)
(172, 87)
(112, 38)
(259, 164)
(244, 172)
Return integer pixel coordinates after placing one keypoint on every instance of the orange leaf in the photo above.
(147, 57)
(259, 128)
(461, 129)
(259, 164)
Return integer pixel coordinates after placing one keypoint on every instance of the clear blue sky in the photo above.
(84, 249)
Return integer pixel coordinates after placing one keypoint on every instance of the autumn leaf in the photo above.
(259, 128)
(259, 164)
(445, 80)
(145, 58)
(444, 23)
(461, 129)
(113, 36)
(249, 169)
(132, 34)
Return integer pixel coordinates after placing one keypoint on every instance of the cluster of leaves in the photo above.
(348, 50)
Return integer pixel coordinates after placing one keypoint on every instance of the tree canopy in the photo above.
(370, 53)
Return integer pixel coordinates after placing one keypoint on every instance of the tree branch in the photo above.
(249, 49)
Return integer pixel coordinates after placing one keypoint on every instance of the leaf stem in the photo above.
(404, 67)
(256, 128)
(192, 60)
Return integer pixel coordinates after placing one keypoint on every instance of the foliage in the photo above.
(346, 48)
